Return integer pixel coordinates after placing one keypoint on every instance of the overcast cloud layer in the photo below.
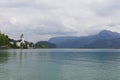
(42, 19)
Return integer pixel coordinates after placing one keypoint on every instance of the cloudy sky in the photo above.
(42, 19)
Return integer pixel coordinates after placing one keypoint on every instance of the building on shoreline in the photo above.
(21, 43)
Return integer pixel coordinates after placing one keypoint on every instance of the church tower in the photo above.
(22, 38)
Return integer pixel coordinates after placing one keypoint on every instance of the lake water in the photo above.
(60, 64)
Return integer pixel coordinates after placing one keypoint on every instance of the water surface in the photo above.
(60, 64)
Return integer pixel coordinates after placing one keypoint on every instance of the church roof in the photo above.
(18, 40)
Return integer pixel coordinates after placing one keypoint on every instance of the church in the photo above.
(20, 42)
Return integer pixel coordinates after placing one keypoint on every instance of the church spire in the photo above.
(22, 38)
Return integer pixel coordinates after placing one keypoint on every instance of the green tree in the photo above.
(4, 40)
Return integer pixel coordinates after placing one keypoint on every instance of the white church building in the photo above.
(21, 41)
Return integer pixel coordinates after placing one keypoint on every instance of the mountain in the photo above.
(106, 34)
(104, 39)
(44, 44)
(105, 43)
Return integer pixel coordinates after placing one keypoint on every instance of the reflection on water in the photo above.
(60, 64)
(3, 57)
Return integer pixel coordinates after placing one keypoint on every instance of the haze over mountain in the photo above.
(104, 39)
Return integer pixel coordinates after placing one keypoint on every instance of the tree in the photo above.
(4, 40)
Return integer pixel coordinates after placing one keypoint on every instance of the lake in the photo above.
(60, 64)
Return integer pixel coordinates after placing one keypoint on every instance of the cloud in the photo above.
(106, 7)
(42, 19)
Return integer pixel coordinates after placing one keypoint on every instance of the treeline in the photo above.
(4, 40)
(45, 44)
